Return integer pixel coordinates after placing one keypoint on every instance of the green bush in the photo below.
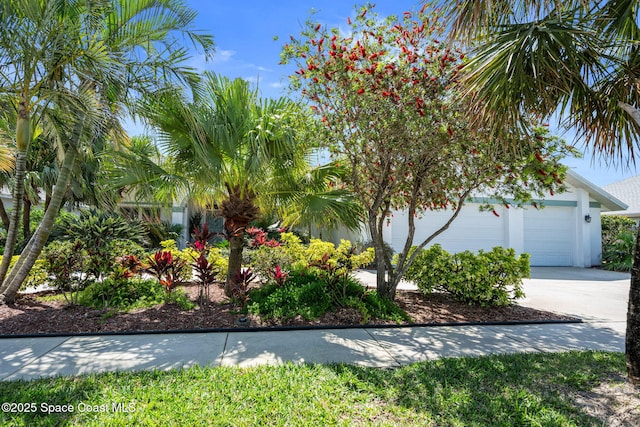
(306, 293)
(380, 307)
(64, 262)
(123, 293)
(618, 242)
(102, 234)
(264, 259)
(128, 294)
(491, 278)
(302, 294)
(37, 276)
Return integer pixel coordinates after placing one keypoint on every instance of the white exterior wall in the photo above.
(556, 235)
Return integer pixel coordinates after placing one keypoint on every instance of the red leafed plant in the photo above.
(201, 237)
(166, 268)
(242, 281)
(279, 275)
(205, 274)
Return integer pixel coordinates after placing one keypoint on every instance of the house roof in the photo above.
(627, 190)
(608, 201)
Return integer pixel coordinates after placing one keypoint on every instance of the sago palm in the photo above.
(576, 59)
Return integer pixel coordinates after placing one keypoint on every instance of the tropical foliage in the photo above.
(618, 242)
(74, 67)
(228, 149)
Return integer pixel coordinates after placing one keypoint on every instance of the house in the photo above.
(566, 232)
(627, 190)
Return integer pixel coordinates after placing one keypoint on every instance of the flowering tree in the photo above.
(387, 95)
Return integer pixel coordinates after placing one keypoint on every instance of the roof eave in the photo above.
(606, 200)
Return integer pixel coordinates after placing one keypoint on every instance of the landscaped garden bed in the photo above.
(40, 314)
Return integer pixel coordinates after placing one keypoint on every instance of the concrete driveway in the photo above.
(596, 296)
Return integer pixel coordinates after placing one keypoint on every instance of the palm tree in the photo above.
(230, 149)
(76, 65)
(573, 58)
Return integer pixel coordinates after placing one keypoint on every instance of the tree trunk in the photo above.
(236, 242)
(26, 219)
(632, 339)
(632, 343)
(33, 249)
(4, 216)
(23, 137)
(382, 286)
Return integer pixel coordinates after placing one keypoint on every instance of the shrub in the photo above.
(64, 262)
(614, 225)
(105, 236)
(491, 278)
(306, 293)
(618, 242)
(292, 254)
(388, 250)
(128, 294)
(264, 259)
(303, 294)
(381, 307)
(37, 276)
(123, 294)
(166, 269)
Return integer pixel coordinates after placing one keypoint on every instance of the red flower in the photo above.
(361, 91)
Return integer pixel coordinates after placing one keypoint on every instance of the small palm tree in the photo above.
(230, 149)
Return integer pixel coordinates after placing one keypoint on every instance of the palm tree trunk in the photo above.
(632, 342)
(632, 339)
(4, 216)
(33, 249)
(23, 137)
(236, 243)
(26, 219)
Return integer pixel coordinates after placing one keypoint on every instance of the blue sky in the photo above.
(244, 34)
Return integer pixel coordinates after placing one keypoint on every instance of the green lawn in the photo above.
(496, 390)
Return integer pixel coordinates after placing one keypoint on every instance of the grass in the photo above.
(508, 390)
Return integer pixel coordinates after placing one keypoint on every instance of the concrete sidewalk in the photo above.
(597, 296)
(29, 358)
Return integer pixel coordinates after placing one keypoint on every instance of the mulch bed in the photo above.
(31, 315)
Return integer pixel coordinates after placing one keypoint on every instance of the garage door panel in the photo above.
(471, 230)
(549, 236)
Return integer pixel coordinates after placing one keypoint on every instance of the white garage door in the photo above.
(471, 230)
(549, 235)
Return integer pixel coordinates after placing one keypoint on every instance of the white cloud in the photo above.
(223, 55)
(276, 85)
